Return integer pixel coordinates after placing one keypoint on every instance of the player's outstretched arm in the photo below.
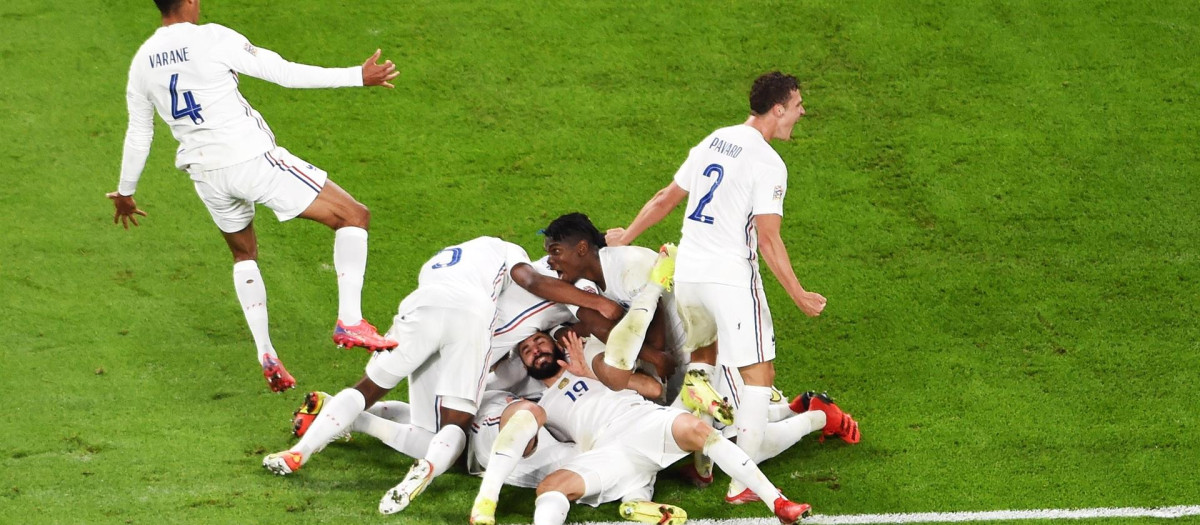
(376, 74)
(563, 292)
(661, 204)
(770, 244)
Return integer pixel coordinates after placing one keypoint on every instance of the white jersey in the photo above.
(472, 274)
(189, 73)
(589, 413)
(626, 271)
(730, 176)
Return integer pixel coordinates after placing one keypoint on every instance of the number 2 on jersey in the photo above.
(698, 213)
(190, 107)
(579, 388)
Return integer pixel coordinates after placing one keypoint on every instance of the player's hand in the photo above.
(811, 303)
(376, 74)
(127, 210)
(576, 363)
(609, 308)
(615, 237)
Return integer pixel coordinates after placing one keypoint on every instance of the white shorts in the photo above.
(737, 317)
(629, 457)
(277, 179)
(549, 455)
(444, 353)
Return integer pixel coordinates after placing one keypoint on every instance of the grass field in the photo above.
(998, 199)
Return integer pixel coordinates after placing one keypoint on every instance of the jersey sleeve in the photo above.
(587, 286)
(514, 255)
(686, 173)
(770, 186)
(139, 134)
(237, 53)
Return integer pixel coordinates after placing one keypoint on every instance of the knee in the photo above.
(564, 481)
(360, 215)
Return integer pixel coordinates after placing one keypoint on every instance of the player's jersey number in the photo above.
(190, 107)
(576, 390)
(455, 256)
(698, 213)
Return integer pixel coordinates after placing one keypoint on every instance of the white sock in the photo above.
(445, 447)
(779, 412)
(751, 418)
(551, 508)
(507, 450)
(709, 370)
(410, 440)
(397, 411)
(252, 294)
(625, 339)
(336, 416)
(781, 435)
(350, 263)
(734, 461)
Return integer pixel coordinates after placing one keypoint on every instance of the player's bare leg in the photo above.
(554, 497)
(252, 295)
(349, 219)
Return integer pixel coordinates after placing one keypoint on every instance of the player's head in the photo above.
(572, 242)
(540, 355)
(775, 98)
(188, 10)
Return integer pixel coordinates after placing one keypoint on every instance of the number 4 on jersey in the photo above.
(698, 214)
(190, 107)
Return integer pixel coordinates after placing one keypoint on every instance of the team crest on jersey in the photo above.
(562, 384)
(251, 49)
(778, 194)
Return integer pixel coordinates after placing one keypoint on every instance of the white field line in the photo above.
(958, 517)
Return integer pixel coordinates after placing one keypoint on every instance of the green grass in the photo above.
(996, 197)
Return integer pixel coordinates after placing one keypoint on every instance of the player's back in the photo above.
(185, 70)
(472, 271)
(730, 176)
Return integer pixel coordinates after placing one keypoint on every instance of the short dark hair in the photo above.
(574, 227)
(167, 6)
(770, 89)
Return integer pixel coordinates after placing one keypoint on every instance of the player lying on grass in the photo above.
(189, 74)
(444, 330)
(625, 439)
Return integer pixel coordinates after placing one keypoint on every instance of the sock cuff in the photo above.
(350, 232)
(758, 391)
(553, 495)
(249, 265)
(360, 401)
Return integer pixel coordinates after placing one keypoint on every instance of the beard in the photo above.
(548, 369)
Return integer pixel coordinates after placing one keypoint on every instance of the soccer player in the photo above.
(189, 74)
(444, 327)
(735, 184)
(626, 440)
